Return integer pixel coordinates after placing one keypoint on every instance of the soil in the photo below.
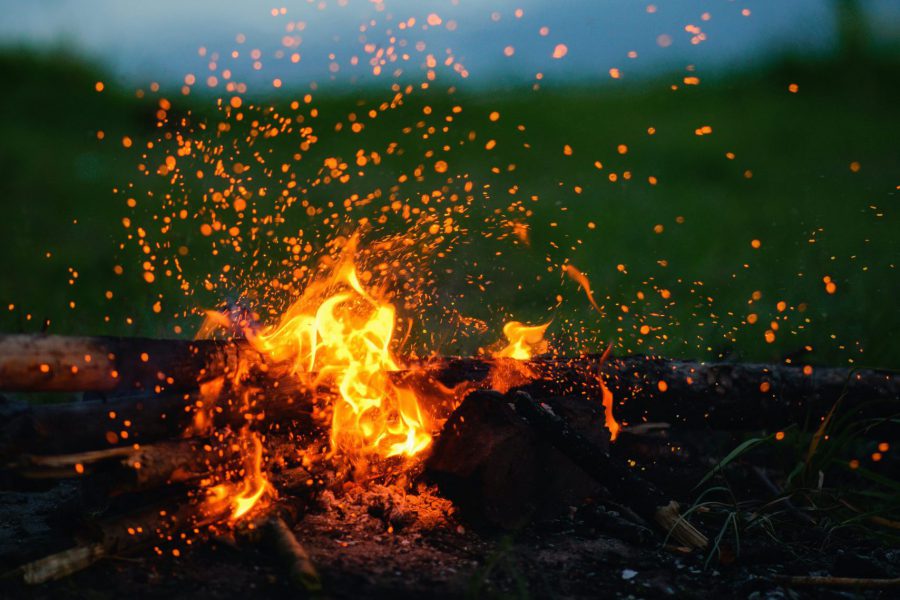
(381, 543)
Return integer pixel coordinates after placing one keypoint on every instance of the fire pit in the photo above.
(384, 318)
(191, 451)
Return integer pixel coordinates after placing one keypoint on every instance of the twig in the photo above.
(115, 535)
(62, 564)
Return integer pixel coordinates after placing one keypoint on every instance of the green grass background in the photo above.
(56, 182)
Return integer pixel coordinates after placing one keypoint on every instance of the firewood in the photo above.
(507, 459)
(104, 364)
(301, 570)
(62, 564)
(122, 469)
(111, 535)
(90, 425)
(99, 424)
(128, 469)
(81, 426)
(680, 392)
(743, 396)
(500, 471)
(623, 484)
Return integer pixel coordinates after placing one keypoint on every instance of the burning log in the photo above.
(686, 393)
(164, 463)
(719, 396)
(136, 469)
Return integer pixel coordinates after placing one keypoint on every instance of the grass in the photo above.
(830, 485)
(814, 216)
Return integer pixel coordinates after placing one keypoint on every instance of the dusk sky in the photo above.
(159, 41)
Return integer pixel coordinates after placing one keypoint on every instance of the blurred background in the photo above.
(724, 172)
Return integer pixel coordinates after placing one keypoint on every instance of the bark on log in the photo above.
(56, 363)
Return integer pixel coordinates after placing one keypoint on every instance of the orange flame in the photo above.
(611, 424)
(340, 333)
(524, 340)
(238, 499)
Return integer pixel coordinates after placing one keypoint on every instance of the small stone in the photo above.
(628, 574)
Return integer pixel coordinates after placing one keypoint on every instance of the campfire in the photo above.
(380, 362)
(315, 413)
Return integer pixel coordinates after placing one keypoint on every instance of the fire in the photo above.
(338, 332)
(611, 424)
(238, 499)
(524, 340)
(527, 340)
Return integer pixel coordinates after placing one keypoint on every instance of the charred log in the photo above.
(508, 459)
(680, 392)
(500, 471)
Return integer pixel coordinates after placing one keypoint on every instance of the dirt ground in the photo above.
(380, 544)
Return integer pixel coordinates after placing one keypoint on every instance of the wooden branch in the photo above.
(55, 363)
(726, 396)
(125, 468)
(62, 564)
(744, 396)
(112, 535)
